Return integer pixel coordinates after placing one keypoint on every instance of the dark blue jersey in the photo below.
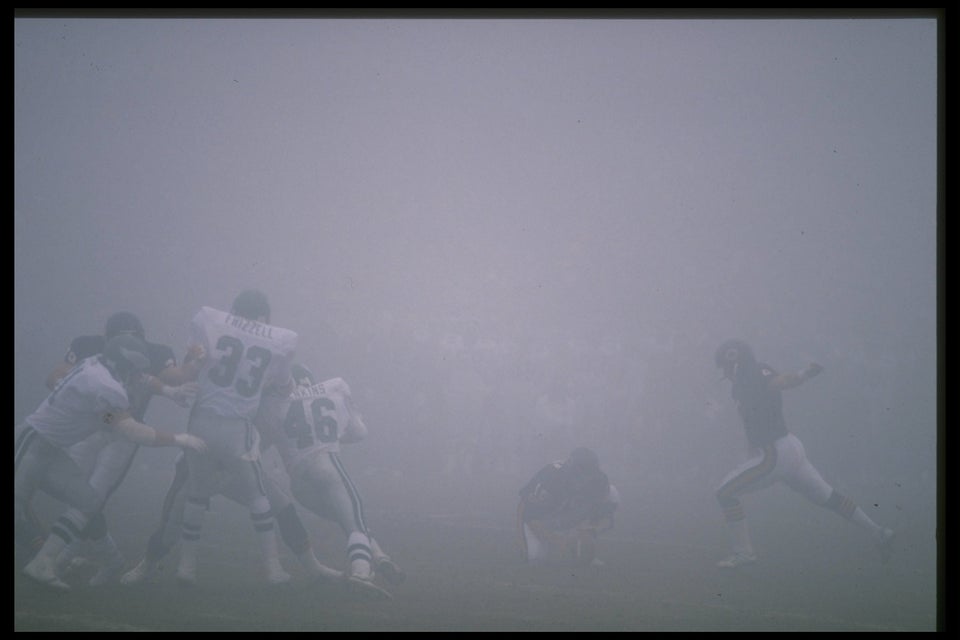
(562, 496)
(760, 405)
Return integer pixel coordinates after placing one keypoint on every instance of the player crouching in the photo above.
(564, 508)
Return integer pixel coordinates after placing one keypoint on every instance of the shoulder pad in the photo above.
(336, 384)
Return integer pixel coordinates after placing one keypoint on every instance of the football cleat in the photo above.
(367, 588)
(390, 571)
(738, 559)
(41, 570)
(277, 576)
(109, 572)
(145, 571)
(187, 576)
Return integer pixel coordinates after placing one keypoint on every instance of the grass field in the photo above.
(464, 574)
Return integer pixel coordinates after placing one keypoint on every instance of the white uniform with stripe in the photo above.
(319, 418)
(81, 405)
(246, 362)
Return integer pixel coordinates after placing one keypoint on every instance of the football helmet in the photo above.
(733, 354)
(126, 356)
(251, 304)
(302, 376)
(124, 322)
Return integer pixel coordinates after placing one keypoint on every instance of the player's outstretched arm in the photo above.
(183, 394)
(149, 437)
(790, 380)
(186, 372)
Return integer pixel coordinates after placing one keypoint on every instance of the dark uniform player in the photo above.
(563, 508)
(776, 455)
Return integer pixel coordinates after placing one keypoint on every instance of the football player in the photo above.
(167, 534)
(563, 509)
(247, 359)
(321, 417)
(105, 456)
(776, 455)
(94, 395)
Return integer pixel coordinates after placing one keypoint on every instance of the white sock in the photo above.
(61, 535)
(263, 524)
(537, 549)
(193, 513)
(358, 552)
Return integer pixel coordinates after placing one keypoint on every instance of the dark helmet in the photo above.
(124, 322)
(583, 458)
(733, 352)
(125, 355)
(302, 376)
(251, 304)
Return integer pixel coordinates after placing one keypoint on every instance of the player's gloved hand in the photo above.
(196, 353)
(190, 441)
(184, 395)
(196, 356)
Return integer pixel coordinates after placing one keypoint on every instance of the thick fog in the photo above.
(511, 237)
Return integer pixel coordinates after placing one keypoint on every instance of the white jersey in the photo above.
(320, 417)
(81, 404)
(245, 360)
